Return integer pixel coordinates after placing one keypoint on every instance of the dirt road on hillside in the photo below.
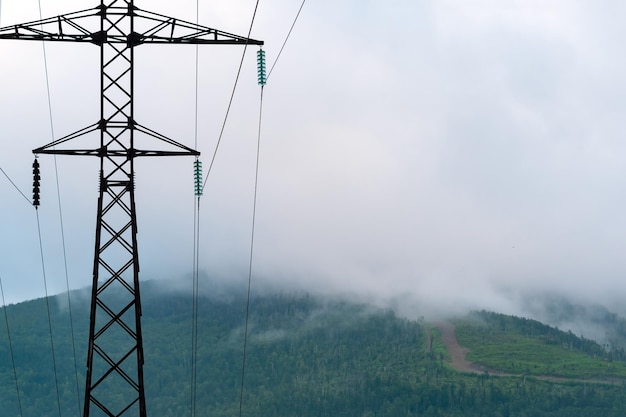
(460, 363)
(457, 352)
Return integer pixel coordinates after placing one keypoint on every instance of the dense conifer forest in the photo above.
(310, 357)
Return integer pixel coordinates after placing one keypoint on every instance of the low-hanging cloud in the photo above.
(442, 154)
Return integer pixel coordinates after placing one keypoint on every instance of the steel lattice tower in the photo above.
(114, 377)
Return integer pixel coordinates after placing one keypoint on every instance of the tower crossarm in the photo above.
(156, 28)
(114, 377)
(150, 27)
(71, 27)
(171, 148)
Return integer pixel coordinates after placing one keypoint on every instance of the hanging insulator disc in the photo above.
(36, 184)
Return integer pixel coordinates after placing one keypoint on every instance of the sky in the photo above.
(434, 155)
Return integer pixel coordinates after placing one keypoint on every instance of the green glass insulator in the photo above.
(260, 58)
(197, 178)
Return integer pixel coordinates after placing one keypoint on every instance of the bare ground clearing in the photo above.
(456, 351)
(460, 363)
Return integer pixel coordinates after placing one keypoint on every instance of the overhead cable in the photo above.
(6, 320)
(45, 285)
(196, 242)
(194, 330)
(60, 206)
(232, 96)
(15, 186)
(252, 233)
(286, 39)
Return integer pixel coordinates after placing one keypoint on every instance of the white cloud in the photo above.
(437, 150)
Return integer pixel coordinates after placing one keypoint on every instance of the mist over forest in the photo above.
(314, 355)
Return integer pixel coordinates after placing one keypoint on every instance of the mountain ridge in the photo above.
(309, 356)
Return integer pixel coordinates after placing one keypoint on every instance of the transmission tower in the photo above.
(114, 376)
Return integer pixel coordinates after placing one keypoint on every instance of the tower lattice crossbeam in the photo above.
(114, 377)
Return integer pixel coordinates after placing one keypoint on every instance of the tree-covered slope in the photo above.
(306, 357)
(522, 346)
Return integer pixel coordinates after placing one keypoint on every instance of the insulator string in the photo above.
(61, 223)
(36, 183)
(232, 96)
(196, 238)
(260, 63)
(195, 285)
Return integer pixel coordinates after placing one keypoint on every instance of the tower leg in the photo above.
(114, 379)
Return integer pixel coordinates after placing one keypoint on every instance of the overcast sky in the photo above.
(442, 153)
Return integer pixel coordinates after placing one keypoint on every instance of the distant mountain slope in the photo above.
(307, 357)
(521, 346)
(593, 321)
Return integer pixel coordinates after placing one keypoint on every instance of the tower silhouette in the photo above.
(114, 381)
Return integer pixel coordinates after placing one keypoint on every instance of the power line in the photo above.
(6, 319)
(232, 96)
(58, 189)
(196, 76)
(45, 285)
(15, 186)
(256, 187)
(196, 246)
(2, 170)
(197, 219)
(116, 189)
(194, 330)
(286, 39)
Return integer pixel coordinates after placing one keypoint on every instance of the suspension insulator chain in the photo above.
(260, 62)
(36, 183)
(197, 177)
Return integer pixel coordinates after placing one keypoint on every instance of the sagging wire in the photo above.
(45, 285)
(196, 240)
(195, 284)
(237, 79)
(60, 207)
(14, 185)
(2, 170)
(196, 273)
(194, 330)
(4, 304)
(198, 192)
(6, 320)
(232, 96)
(286, 39)
(261, 80)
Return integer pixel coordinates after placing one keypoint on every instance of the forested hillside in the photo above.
(527, 347)
(306, 357)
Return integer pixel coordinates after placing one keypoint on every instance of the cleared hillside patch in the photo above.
(524, 347)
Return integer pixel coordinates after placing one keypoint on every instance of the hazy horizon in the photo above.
(434, 153)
